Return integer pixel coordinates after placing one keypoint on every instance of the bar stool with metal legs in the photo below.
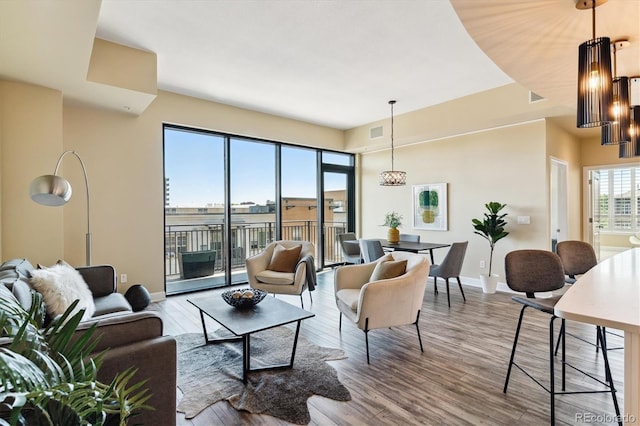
(534, 271)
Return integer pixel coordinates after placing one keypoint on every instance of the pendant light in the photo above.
(392, 177)
(631, 149)
(595, 94)
(617, 131)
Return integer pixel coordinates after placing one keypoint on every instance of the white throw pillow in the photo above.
(60, 285)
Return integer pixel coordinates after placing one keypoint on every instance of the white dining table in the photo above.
(609, 295)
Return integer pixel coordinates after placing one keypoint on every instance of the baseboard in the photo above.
(501, 287)
(158, 297)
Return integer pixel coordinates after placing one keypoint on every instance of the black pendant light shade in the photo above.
(595, 93)
(617, 131)
(631, 149)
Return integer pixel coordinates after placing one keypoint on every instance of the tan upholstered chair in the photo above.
(382, 303)
(279, 282)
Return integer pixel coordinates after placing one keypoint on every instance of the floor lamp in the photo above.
(53, 190)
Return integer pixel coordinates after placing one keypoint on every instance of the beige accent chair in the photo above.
(280, 282)
(384, 303)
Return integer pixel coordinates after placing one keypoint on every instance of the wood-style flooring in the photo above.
(458, 380)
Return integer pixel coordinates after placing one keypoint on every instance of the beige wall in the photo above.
(507, 165)
(566, 148)
(124, 158)
(30, 143)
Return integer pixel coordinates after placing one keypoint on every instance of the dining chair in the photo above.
(450, 268)
(371, 250)
(535, 271)
(578, 257)
(413, 238)
(349, 247)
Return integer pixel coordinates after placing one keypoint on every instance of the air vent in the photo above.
(534, 97)
(375, 132)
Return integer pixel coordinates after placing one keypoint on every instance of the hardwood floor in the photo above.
(458, 380)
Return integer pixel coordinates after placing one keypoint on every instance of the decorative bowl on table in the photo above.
(244, 298)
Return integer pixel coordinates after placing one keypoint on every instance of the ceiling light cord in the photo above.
(391, 103)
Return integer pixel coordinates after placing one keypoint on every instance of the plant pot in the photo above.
(393, 236)
(489, 283)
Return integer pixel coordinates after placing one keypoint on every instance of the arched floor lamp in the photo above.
(53, 190)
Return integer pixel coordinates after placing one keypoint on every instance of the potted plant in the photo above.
(491, 228)
(49, 379)
(393, 220)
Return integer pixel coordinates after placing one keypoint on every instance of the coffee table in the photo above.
(267, 314)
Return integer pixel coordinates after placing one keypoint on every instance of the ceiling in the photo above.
(331, 62)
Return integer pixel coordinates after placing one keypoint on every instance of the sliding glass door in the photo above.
(228, 197)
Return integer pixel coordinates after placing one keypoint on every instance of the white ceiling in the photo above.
(334, 63)
(330, 62)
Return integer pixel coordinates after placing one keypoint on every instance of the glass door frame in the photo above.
(349, 172)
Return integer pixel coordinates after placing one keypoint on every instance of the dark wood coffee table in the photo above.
(267, 314)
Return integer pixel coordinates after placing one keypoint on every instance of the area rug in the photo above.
(210, 373)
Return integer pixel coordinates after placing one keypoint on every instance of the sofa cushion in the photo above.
(349, 297)
(273, 277)
(388, 269)
(284, 259)
(114, 302)
(60, 285)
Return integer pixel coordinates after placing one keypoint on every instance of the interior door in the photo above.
(558, 203)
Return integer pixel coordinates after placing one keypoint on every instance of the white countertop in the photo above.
(607, 295)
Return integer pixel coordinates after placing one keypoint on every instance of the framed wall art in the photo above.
(430, 206)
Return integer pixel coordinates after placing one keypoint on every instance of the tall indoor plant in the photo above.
(491, 228)
(393, 220)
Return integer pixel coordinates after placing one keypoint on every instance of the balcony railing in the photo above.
(247, 239)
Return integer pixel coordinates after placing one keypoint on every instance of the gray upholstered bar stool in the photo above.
(536, 271)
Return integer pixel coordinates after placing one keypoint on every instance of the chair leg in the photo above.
(461, 290)
(301, 301)
(418, 330)
(435, 285)
(310, 297)
(448, 297)
(513, 350)
(552, 391)
(340, 322)
(607, 370)
(366, 336)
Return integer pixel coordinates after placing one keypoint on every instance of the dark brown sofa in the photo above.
(133, 339)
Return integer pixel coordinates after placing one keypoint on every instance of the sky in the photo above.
(194, 166)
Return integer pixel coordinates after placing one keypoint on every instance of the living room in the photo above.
(489, 146)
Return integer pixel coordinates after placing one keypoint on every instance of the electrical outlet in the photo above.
(123, 278)
(482, 264)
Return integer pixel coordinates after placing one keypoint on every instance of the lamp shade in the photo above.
(617, 131)
(50, 190)
(595, 93)
(393, 178)
(632, 148)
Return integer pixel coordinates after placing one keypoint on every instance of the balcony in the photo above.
(195, 257)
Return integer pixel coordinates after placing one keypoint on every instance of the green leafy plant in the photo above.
(49, 377)
(491, 227)
(393, 220)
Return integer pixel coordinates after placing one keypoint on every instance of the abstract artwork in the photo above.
(430, 206)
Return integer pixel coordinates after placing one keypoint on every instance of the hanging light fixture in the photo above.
(632, 148)
(595, 94)
(392, 177)
(617, 131)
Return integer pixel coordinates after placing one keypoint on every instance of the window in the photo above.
(619, 199)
